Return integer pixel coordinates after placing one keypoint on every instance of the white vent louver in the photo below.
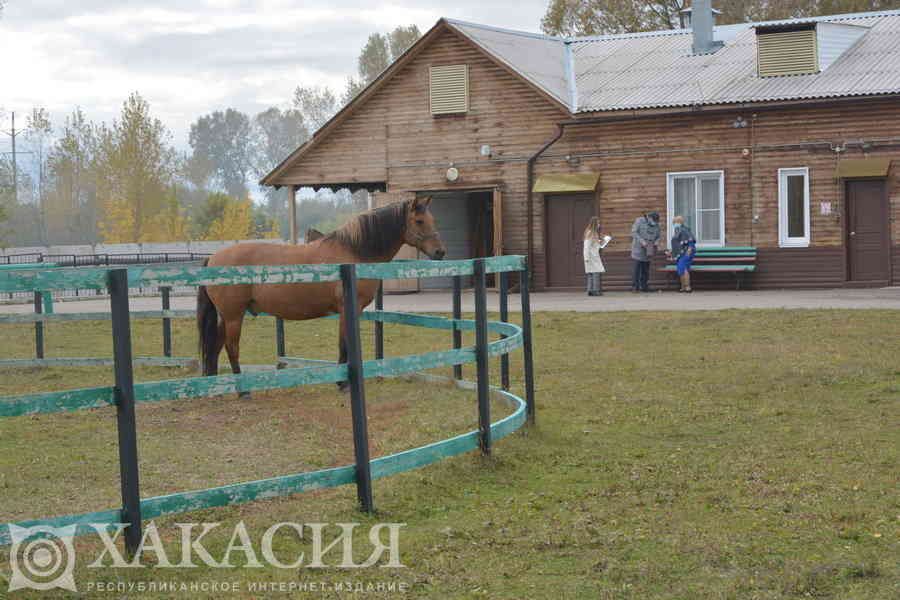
(787, 53)
(449, 89)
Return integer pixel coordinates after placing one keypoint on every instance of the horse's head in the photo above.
(420, 229)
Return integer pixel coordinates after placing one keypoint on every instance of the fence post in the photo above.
(357, 388)
(504, 316)
(524, 281)
(167, 322)
(457, 315)
(481, 356)
(279, 337)
(379, 326)
(124, 394)
(38, 326)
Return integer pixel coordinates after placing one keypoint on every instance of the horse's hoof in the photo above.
(244, 396)
(343, 387)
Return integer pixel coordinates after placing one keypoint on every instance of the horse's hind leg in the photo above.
(220, 343)
(232, 346)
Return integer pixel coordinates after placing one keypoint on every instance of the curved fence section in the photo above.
(125, 394)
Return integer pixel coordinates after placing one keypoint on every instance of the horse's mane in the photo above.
(374, 233)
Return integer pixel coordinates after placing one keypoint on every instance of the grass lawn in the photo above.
(732, 454)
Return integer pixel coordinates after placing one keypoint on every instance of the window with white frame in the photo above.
(699, 197)
(793, 208)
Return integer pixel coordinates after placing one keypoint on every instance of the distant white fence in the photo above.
(112, 254)
(141, 248)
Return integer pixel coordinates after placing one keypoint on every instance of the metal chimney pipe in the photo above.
(702, 24)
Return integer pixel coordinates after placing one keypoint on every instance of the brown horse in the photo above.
(374, 236)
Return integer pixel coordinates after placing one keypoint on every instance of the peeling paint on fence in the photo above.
(182, 276)
(217, 385)
(151, 361)
(246, 492)
(104, 517)
(50, 402)
(80, 278)
(92, 316)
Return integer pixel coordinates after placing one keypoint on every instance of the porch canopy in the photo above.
(353, 186)
(564, 182)
(862, 167)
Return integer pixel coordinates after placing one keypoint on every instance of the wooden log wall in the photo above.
(393, 137)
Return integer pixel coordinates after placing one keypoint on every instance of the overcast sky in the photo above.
(191, 58)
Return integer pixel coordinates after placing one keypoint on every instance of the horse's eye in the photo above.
(420, 221)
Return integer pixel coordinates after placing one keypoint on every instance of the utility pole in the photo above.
(13, 133)
(15, 171)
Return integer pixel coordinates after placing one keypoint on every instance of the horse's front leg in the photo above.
(233, 347)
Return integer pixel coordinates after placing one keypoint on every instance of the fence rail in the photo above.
(96, 260)
(125, 394)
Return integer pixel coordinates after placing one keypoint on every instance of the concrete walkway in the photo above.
(883, 298)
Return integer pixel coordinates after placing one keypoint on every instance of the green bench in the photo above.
(738, 260)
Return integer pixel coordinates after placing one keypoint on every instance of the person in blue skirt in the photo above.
(684, 247)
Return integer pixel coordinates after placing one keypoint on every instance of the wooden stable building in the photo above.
(774, 135)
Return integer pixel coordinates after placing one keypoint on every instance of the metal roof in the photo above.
(657, 69)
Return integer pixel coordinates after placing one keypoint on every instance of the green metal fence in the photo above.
(125, 394)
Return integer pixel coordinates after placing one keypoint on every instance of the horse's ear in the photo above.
(420, 205)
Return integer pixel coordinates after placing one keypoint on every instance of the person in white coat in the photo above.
(594, 242)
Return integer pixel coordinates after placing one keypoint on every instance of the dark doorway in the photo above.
(465, 222)
(868, 241)
(567, 216)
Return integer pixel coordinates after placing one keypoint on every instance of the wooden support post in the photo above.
(481, 358)
(504, 316)
(457, 315)
(124, 394)
(292, 212)
(38, 326)
(524, 282)
(166, 322)
(357, 389)
(379, 326)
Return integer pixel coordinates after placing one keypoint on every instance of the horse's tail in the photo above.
(208, 328)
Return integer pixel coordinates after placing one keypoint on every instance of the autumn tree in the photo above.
(169, 225)
(38, 130)
(378, 53)
(224, 139)
(233, 220)
(70, 206)
(315, 105)
(277, 133)
(134, 166)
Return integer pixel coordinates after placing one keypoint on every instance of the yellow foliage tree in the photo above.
(118, 225)
(236, 222)
(274, 232)
(169, 225)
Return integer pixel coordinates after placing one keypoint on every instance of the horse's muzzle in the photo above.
(438, 254)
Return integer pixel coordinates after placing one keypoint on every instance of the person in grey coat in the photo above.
(645, 235)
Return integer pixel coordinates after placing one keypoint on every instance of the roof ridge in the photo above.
(551, 38)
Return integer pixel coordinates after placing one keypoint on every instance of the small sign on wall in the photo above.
(825, 208)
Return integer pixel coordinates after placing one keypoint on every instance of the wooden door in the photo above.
(868, 242)
(567, 216)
